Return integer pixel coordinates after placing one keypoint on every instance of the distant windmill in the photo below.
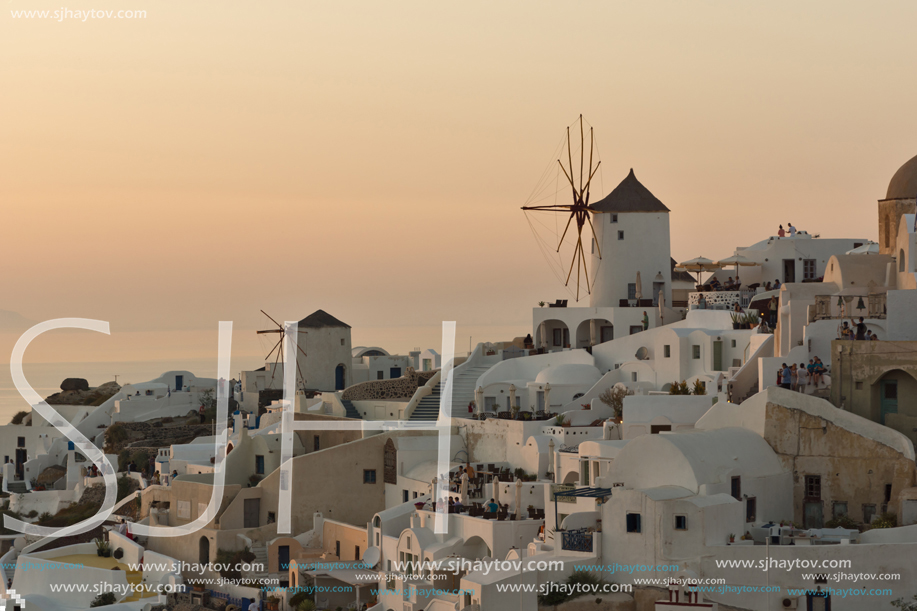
(278, 359)
(578, 210)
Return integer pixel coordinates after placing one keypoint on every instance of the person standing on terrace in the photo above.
(781, 233)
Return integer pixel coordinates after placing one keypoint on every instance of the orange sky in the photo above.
(370, 158)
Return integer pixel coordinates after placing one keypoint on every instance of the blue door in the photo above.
(395, 372)
(339, 378)
(283, 557)
(889, 398)
(179, 382)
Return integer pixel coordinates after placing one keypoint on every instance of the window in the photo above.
(585, 473)
(415, 494)
(681, 522)
(369, 476)
(316, 443)
(379, 375)
(632, 290)
(259, 465)
(633, 522)
(839, 509)
(655, 429)
(620, 235)
(695, 351)
(808, 269)
(20, 442)
(888, 493)
(869, 511)
(737, 488)
(356, 552)
(813, 487)
(859, 386)
(337, 549)
(667, 351)
(633, 376)
(404, 496)
(342, 341)
(614, 218)
(271, 517)
(751, 508)
(733, 344)
(636, 329)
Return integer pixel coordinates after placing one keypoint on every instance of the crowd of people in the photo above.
(856, 332)
(797, 377)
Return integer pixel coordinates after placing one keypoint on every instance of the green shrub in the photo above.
(102, 600)
(886, 520)
(304, 604)
(32, 513)
(556, 597)
(679, 388)
(843, 521)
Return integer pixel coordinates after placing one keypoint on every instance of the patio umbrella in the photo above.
(870, 248)
(518, 498)
(736, 260)
(699, 265)
(639, 292)
(496, 482)
(661, 307)
(464, 489)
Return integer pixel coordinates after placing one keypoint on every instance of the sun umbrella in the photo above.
(736, 260)
(639, 291)
(699, 265)
(661, 307)
(870, 248)
(496, 482)
(518, 498)
(464, 489)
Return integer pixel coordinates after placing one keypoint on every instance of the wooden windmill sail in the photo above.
(578, 209)
(278, 347)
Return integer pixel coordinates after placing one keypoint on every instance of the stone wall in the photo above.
(388, 390)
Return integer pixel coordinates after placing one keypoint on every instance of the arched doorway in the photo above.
(339, 377)
(204, 550)
(552, 335)
(594, 331)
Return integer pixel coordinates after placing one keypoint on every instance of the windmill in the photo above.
(578, 210)
(279, 348)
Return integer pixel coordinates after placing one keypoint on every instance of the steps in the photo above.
(260, 553)
(135, 578)
(351, 410)
(427, 409)
(16, 487)
(464, 384)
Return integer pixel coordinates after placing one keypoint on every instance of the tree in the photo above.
(906, 605)
(614, 398)
(679, 388)
(699, 388)
(102, 600)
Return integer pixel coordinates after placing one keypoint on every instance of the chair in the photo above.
(501, 516)
(625, 303)
(491, 467)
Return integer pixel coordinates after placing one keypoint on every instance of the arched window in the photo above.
(901, 260)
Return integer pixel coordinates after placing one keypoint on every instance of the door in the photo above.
(789, 270)
(608, 333)
(283, 557)
(540, 400)
(21, 457)
(339, 377)
(179, 382)
(813, 515)
(657, 287)
(818, 601)
(889, 398)
(394, 372)
(251, 513)
(717, 356)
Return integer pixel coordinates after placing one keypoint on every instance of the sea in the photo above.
(46, 377)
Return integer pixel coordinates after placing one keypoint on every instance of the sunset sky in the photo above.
(370, 159)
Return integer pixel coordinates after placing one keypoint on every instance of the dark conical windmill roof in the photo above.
(319, 319)
(630, 196)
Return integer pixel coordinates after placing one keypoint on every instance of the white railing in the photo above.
(722, 300)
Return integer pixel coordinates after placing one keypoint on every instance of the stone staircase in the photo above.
(351, 409)
(260, 552)
(134, 578)
(463, 386)
(427, 409)
(16, 487)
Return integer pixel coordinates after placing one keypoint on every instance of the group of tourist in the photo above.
(793, 377)
(789, 231)
(857, 332)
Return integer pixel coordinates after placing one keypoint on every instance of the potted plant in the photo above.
(100, 546)
(419, 504)
(732, 538)
(272, 604)
(736, 320)
(540, 304)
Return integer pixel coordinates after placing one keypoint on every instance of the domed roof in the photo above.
(904, 183)
(570, 373)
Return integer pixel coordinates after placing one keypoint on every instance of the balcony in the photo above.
(850, 306)
(576, 541)
(721, 300)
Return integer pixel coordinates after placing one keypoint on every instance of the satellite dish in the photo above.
(642, 353)
(371, 557)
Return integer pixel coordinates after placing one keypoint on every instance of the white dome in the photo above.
(575, 373)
